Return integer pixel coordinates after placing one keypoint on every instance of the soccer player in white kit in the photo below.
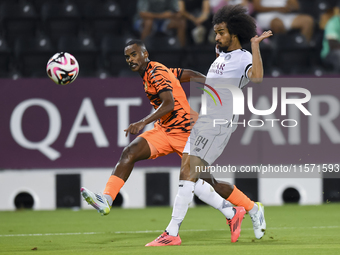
(233, 66)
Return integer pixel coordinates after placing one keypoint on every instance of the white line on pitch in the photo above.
(156, 231)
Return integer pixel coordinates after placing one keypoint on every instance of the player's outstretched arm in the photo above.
(188, 74)
(166, 106)
(255, 73)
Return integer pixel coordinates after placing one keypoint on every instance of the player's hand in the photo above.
(258, 39)
(134, 128)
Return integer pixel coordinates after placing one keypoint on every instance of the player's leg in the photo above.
(137, 150)
(147, 25)
(183, 198)
(201, 147)
(209, 145)
(277, 26)
(185, 193)
(234, 215)
(305, 24)
(179, 23)
(202, 189)
(238, 198)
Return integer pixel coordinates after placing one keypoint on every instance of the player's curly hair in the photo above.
(238, 22)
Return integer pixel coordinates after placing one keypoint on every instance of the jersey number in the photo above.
(201, 140)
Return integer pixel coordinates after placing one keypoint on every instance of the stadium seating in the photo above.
(4, 58)
(60, 19)
(110, 23)
(202, 57)
(32, 55)
(291, 53)
(165, 49)
(103, 19)
(85, 51)
(19, 20)
(39, 3)
(112, 49)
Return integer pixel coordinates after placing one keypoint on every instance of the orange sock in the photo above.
(113, 186)
(238, 198)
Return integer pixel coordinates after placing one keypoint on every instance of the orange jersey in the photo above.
(177, 72)
(158, 78)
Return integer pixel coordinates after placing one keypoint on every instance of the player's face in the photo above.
(223, 38)
(135, 57)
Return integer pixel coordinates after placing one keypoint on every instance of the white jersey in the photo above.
(206, 141)
(229, 68)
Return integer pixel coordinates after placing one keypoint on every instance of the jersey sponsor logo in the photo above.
(197, 149)
(227, 57)
(217, 68)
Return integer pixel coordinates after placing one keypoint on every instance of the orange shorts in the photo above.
(162, 143)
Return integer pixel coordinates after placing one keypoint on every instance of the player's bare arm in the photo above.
(258, 7)
(189, 74)
(166, 107)
(151, 15)
(255, 73)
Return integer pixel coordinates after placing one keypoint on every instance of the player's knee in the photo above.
(182, 23)
(128, 156)
(188, 175)
(277, 26)
(147, 23)
(308, 21)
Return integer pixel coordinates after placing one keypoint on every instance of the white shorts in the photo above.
(206, 141)
(264, 19)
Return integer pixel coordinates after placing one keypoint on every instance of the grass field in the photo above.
(291, 229)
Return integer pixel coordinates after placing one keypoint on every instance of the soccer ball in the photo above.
(62, 68)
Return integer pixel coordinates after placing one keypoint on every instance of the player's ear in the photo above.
(146, 54)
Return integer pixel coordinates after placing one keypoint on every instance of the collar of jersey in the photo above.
(146, 68)
(229, 51)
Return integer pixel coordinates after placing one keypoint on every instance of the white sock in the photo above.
(184, 197)
(109, 199)
(254, 209)
(205, 192)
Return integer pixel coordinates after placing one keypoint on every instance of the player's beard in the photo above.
(225, 48)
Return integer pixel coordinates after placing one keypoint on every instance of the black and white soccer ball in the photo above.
(62, 68)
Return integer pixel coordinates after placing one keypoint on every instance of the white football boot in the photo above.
(99, 202)
(259, 223)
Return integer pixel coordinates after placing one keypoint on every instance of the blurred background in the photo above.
(55, 139)
(177, 33)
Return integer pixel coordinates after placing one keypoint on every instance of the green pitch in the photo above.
(291, 230)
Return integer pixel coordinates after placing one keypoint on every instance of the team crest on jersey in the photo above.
(227, 57)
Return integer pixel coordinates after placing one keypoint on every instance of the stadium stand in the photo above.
(85, 51)
(60, 19)
(103, 19)
(165, 49)
(18, 20)
(109, 23)
(4, 58)
(112, 52)
(32, 54)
